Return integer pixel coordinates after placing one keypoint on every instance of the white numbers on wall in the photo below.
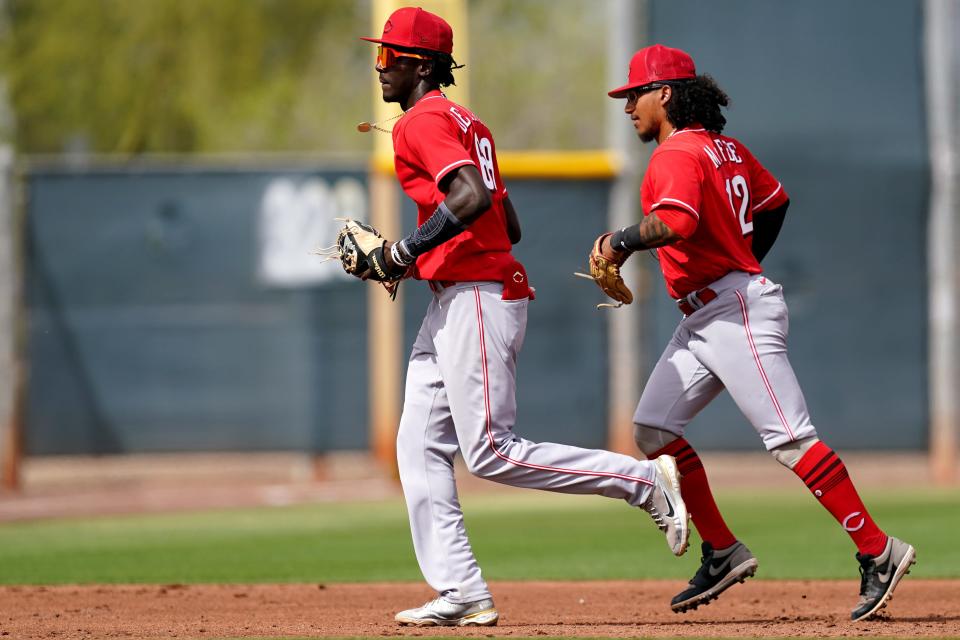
(296, 217)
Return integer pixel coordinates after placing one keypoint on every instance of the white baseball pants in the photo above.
(460, 394)
(739, 342)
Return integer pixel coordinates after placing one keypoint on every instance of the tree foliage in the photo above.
(139, 76)
(181, 75)
(539, 72)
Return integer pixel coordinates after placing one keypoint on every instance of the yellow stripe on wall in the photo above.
(559, 164)
(549, 165)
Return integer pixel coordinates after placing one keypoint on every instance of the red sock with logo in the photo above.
(695, 490)
(826, 476)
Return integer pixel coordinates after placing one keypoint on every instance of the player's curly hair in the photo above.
(697, 101)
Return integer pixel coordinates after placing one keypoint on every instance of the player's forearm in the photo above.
(437, 229)
(467, 198)
(766, 228)
(650, 233)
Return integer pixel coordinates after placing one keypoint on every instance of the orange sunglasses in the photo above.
(386, 56)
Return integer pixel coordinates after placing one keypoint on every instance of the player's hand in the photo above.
(613, 255)
(382, 257)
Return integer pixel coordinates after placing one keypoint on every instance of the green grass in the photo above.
(516, 535)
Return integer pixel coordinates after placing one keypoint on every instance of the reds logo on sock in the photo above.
(846, 522)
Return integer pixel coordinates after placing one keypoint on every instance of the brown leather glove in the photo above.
(604, 264)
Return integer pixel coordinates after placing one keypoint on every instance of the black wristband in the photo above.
(627, 239)
(438, 228)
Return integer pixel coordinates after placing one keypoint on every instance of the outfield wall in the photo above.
(175, 306)
(167, 313)
(179, 308)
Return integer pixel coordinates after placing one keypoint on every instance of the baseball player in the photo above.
(712, 212)
(461, 374)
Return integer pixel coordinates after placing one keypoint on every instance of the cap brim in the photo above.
(393, 43)
(400, 45)
(621, 92)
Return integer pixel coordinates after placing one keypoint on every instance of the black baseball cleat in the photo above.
(879, 576)
(721, 569)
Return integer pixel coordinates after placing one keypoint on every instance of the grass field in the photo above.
(517, 535)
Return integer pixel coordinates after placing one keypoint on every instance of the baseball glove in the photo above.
(605, 271)
(360, 249)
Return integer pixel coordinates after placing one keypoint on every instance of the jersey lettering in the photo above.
(714, 158)
(485, 156)
(461, 119)
(726, 151)
(732, 153)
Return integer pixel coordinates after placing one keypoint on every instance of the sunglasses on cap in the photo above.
(387, 56)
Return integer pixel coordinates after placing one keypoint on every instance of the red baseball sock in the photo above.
(826, 476)
(695, 490)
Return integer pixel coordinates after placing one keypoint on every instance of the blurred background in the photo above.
(168, 166)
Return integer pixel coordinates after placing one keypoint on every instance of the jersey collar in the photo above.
(693, 128)
(435, 93)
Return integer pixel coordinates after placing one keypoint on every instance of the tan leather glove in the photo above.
(605, 271)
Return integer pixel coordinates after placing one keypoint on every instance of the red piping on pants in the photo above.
(489, 429)
(763, 374)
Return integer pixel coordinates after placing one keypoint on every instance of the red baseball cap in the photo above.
(656, 63)
(414, 28)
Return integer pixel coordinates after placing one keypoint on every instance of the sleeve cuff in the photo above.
(450, 167)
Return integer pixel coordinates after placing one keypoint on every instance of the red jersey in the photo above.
(434, 137)
(707, 186)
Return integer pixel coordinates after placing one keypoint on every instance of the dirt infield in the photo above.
(922, 608)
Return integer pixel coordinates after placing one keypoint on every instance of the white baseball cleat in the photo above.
(443, 613)
(666, 507)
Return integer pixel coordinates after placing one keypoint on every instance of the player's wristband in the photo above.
(438, 228)
(400, 254)
(627, 239)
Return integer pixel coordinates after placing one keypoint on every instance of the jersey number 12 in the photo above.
(737, 188)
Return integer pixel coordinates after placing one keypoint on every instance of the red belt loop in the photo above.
(703, 296)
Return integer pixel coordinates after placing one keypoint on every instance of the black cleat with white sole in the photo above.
(720, 570)
(879, 576)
